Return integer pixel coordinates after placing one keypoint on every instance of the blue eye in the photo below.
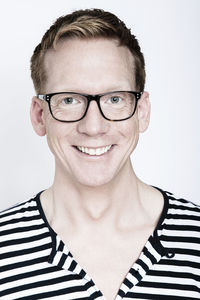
(68, 100)
(115, 99)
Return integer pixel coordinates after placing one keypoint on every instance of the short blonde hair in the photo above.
(86, 24)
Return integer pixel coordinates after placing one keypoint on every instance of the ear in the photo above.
(37, 116)
(144, 109)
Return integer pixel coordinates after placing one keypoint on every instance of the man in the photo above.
(98, 232)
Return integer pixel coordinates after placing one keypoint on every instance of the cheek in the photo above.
(59, 134)
(129, 129)
(130, 133)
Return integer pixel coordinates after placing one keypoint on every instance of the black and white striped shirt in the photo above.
(35, 263)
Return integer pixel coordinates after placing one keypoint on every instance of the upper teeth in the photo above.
(97, 151)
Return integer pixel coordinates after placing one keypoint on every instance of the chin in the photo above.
(94, 181)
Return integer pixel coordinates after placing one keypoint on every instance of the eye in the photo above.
(115, 99)
(69, 100)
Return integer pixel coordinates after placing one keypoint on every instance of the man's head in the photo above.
(89, 148)
(86, 24)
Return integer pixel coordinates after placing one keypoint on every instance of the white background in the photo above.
(168, 153)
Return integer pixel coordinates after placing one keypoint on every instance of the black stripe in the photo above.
(175, 274)
(180, 263)
(95, 295)
(25, 251)
(146, 296)
(55, 293)
(41, 283)
(181, 239)
(150, 256)
(184, 208)
(12, 210)
(62, 260)
(24, 263)
(180, 227)
(182, 217)
(73, 266)
(61, 246)
(142, 264)
(128, 283)
(184, 251)
(21, 219)
(47, 270)
(171, 286)
(22, 229)
(25, 240)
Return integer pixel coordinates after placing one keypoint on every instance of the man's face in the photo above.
(91, 67)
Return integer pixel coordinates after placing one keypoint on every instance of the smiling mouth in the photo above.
(94, 151)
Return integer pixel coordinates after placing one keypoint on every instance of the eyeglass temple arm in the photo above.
(41, 97)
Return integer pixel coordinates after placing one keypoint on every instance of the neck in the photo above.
(117, 203)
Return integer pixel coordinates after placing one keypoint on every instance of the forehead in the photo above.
(92, 64)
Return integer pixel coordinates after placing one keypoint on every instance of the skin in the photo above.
(96, 202)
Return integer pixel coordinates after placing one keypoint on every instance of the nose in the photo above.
(93, 124)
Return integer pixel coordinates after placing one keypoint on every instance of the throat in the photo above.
(97, 210)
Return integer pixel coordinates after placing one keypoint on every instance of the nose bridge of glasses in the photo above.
(95, 98)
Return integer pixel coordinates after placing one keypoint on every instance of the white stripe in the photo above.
(183, 222)
(22, 270)
(40, 278)
(173, 280)
(25, 246)
(169, 292)
(25, 257)
(17, 208)
(26, 234)
(22, 224)
(175, 211)
(45, 289)
(185, 204)
(184, 257)
(190, 246)
(175, 269)
(20, 215)
(184, 233)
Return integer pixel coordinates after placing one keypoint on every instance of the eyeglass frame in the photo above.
(96, 98)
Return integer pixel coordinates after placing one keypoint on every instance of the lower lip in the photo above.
(94, 156)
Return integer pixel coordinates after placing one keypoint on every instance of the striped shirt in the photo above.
(36, 264)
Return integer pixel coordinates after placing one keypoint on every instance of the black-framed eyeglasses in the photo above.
(73, 107)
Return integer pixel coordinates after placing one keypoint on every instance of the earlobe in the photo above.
(37, 116)
(144, 109)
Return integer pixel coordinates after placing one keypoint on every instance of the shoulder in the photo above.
(182, 203)
(25, 239)
(18, 220)
(181, 212)
(19, 211)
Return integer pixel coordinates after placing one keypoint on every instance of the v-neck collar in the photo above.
(151, 254)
